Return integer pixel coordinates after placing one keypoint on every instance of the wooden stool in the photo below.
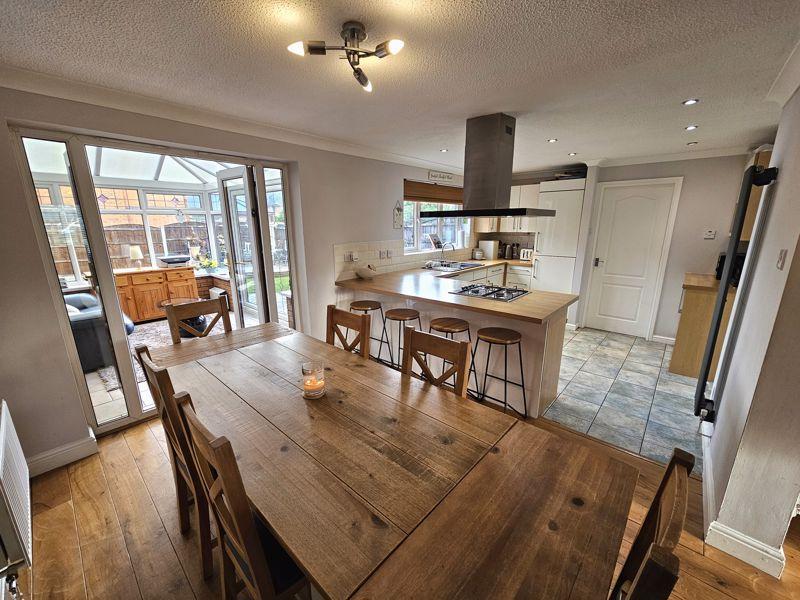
(500, 336)
(367, 306)
(450, 326)
(401, 315)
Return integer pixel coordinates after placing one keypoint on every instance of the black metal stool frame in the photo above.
(379, 340)
(481, 394)
(399, 364)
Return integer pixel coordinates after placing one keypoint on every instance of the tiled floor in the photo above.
(617, 388)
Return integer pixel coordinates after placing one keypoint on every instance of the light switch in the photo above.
(782, 253)
(710, 234)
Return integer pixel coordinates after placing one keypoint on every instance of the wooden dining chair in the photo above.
(178, 314)
(188, 487)
(337, 319)
(251, 556)
(455, 354)
(651, 569)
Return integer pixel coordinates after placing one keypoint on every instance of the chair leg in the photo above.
(505, 379)
(473, 371)
(486, 371)
(385, 334)
(182, 496)
(522, 381)
(204, 529)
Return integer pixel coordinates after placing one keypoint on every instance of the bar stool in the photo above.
(450, 326)
(367, 306)
(401, 315)
(500, 336)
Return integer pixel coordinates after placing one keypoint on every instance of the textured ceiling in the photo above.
(605, 77)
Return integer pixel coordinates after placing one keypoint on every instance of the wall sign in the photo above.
(440, 177)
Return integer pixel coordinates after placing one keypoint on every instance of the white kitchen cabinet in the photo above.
(522, 196)
(487, 224)
(553, 273)
(558, 236)
(518, 276)
(496, 275)
(508, 224)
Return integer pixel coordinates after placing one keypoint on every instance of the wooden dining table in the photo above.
(388, 487)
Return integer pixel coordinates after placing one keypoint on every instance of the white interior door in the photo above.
(631, 232)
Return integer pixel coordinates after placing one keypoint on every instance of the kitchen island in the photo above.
(539, 316)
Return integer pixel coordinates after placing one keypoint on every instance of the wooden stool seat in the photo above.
(449, 325)
(499, 335)
(365, 305)
(402, 314)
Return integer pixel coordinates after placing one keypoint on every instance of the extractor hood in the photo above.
(488, 160)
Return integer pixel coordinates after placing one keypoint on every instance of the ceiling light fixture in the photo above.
(691, 127)
(443, 150)
(353, 33)
(573, 153)
(691, 143)
(552, 140)
(690, 101)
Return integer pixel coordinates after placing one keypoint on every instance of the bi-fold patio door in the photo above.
(64, 200)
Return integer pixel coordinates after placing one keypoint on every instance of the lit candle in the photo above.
(313, 380)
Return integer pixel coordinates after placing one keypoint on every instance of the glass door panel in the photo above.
(63, 219)
(243, 250)
(279, 246)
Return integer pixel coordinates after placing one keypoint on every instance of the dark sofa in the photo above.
(90, 331)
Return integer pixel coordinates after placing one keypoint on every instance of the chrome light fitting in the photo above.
(353, 33)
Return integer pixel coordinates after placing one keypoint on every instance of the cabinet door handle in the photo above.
(535, 268)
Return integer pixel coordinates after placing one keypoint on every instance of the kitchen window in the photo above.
(451, 230)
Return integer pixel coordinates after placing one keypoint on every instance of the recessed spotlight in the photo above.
(573, 153)
(691, 127)
(690, 101)
(691, 143)
(443, 150)
(552, 140)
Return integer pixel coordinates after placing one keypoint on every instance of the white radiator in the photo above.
(16, 543)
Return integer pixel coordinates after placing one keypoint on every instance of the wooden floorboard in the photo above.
(106, 526)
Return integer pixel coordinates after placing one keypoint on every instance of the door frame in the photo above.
(83, 184)
(600, 189)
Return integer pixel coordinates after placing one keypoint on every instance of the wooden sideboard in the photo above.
(699, 297)
(141, 291)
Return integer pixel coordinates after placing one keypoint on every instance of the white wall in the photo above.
(708, 196)
(755, 446)
(334, 198)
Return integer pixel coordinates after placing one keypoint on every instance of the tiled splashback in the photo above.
(525, 240)
(369, 254)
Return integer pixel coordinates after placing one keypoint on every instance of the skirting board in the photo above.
(766, 558)
(670, 341)
(63, 455)
(709, 491)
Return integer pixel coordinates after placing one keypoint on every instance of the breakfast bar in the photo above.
(539, 316)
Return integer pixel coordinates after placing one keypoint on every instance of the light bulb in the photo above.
(395, 46)
(691, 127)
(362, 79)
(298, 48)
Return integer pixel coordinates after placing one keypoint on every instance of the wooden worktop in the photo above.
(432, 286)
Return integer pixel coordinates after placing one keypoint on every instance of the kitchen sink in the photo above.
(449, 266)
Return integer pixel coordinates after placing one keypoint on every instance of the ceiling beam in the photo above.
(181, 162)
(159, 166)
(98, 157)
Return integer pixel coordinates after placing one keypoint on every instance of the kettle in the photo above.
(477, 254)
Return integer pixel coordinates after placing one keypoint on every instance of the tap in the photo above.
(451, 244)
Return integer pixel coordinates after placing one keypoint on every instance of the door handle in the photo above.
(535, 267)
(598, 262)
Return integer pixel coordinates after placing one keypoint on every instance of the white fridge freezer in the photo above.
(558, 236)
(552, 273)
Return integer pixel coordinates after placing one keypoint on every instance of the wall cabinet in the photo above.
(141, 292)
(553, 273)
(487, 224)
(558, 236)
(522, 196)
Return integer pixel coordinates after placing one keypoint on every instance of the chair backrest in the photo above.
(360, 323)
(651, 569)
(163, 393)
(176, 314)
(418, 345)
(222, 482)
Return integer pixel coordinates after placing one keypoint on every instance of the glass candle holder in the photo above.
(313, 380)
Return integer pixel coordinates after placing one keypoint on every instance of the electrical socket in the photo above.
(388, 253)
(710, 234)
(381, 254)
